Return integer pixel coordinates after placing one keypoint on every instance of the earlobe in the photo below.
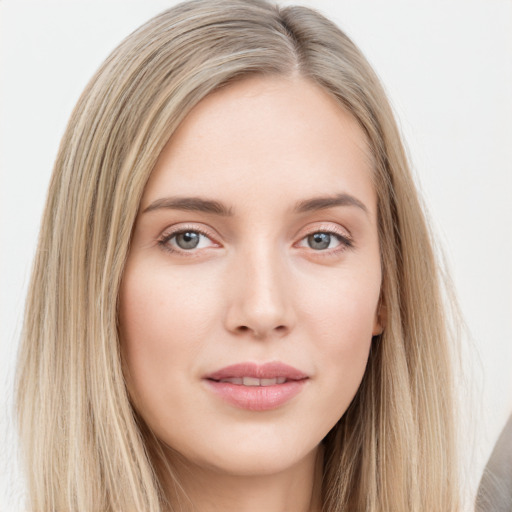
(380, 320)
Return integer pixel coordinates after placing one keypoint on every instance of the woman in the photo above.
(235, 304)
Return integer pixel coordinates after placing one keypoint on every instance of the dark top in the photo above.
(495, 490)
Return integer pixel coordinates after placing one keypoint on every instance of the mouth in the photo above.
(256, 387)
(253, 381)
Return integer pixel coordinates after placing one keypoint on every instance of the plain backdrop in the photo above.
(447, 66)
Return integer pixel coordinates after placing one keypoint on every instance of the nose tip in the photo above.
(260, 301)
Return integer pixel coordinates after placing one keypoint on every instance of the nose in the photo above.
(260, 296)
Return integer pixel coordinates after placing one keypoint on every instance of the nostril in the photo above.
(244, 328)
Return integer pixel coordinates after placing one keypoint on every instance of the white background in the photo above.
(447, 66)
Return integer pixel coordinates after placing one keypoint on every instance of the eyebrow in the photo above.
(194, 204)
(325, 202)
(199, 204)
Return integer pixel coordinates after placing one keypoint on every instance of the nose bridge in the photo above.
(261, 303)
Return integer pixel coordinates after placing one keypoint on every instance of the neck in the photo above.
(209, 490)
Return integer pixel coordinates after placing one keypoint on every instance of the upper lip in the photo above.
(270, 370)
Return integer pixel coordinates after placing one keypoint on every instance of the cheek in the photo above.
(341, 321)
(161, 323)
(343, 309)
(162, 308)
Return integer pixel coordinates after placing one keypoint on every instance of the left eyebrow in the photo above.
(324, 202)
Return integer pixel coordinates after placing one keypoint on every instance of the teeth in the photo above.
(253, 381)
(234, 380)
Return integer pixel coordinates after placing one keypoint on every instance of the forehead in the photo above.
(286, 136)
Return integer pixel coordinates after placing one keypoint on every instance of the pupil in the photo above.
(187, 240)
(319, 241)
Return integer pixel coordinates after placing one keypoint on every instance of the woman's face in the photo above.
(250, 294)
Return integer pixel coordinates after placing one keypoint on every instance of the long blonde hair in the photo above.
(84, 446)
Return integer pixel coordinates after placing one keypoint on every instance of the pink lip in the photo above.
(258, 371)
(257, 398)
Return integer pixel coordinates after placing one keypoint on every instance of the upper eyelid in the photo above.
(171, 231)
(324, 227)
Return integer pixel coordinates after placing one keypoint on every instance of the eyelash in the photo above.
(164, 240)
(345, 241)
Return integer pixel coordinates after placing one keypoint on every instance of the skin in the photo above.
(254, 289)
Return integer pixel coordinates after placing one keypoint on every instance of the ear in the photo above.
(380, 319)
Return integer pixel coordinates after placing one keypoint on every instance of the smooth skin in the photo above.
(278, 261)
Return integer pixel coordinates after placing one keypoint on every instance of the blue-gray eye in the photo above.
(187, 240)
(319, 241)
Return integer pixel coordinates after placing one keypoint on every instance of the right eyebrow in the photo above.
(197, 204)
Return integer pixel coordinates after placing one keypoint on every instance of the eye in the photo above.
(186, 240)
(325, 240)
(320, 241)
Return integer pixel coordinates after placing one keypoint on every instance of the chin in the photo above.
(249, 456)
(256, 463)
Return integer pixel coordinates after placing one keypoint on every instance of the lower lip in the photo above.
(257, 398)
